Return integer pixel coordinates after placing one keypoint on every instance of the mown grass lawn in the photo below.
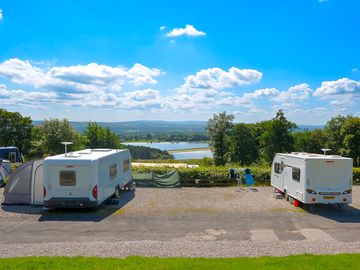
(303, 262)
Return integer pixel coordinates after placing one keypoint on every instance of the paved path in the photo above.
(211, 222)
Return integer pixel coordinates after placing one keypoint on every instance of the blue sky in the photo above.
(131, 60)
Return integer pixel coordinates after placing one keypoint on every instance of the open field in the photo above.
(185, 222)
(319, 262)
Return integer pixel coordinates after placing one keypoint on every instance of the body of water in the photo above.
(179, 145)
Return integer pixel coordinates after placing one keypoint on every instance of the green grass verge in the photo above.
(298, 262)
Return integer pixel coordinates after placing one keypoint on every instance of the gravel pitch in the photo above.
(186, 222)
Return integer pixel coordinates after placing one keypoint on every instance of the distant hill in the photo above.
(141, 127)
(159, 127)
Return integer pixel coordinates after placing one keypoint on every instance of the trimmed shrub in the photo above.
(218, 175)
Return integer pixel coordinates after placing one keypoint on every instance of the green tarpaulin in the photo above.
(151, 179)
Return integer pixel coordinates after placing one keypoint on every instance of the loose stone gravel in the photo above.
(176, 248)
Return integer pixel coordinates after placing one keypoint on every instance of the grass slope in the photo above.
(299, 262)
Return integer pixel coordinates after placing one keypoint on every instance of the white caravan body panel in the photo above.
(85, 178)
(313, 178)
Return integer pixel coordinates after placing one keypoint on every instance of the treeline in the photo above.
(177, 137)
(257, 143)
(45, 139)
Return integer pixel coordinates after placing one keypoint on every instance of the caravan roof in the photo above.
(304, 155)
(85, 155)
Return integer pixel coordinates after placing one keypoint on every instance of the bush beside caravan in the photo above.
(85, 178)
(313, 178)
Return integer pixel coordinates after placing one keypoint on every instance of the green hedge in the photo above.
(210, 175)
(356, 175)
(219, 175)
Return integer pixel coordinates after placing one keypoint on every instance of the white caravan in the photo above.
(313, 178)
(85, 178)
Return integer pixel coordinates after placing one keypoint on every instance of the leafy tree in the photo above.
(351, 134)
(15, 130)
(50, 134)
(100, 137)
(310, 141)
(277, 136)
(333, 132)
(219, 128)
(243, 145)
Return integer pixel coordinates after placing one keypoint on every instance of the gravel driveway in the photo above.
(191, 222)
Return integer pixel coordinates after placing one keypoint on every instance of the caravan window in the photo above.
(277, 168)
(67, 178)
(296, 174)
(126, 165)
(112, 171)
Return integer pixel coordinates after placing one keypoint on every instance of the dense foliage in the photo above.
(258, 143)
(15, 130)
(219, 128)
(45, 139)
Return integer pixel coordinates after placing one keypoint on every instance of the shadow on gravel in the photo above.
(89, 215)
(345, 214)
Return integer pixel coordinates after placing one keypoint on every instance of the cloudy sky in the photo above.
(185, 60)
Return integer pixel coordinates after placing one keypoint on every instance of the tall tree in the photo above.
(100, 137)
(51, 133)
(351, 134)
(243, 145)
(277, 136)
(219, 128)
(15, 130)
(333, 132)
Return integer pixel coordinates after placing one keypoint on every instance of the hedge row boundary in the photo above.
(219, 175)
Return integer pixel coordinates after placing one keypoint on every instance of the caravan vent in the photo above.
(84, 153)
(72, 155)
(100, 150)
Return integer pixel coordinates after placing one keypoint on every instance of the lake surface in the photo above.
(179, 145)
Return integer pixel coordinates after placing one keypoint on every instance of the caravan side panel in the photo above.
(114, 172)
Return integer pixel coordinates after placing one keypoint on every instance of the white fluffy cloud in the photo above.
(189, 30)
(339, 87)
(1, 14)
(204, 90)
(80, 78)
(20, 97)
(300, 92)
(216, 78)
(263, 93)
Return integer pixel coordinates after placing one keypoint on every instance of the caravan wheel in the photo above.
(131, 186)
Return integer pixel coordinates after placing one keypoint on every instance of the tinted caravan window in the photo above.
(126, 165)
(112, 171)
(277, 168)
(67, 178)
(296, 174)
